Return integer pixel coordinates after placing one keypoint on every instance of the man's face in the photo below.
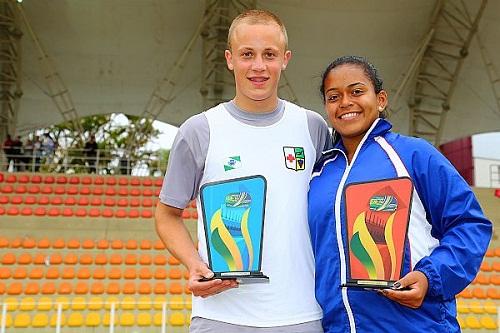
(257, 57)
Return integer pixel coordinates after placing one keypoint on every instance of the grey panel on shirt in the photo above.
(189, 151)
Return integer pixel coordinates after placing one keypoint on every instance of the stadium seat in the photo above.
(127, 303)
(160, 288)
(144, 303)
(115, 273)
(86, 180)
(36, 273)
(135, 181)
(129, 288)
(176, 303)
(49, 179)
(92, 319)
(144, 288)
(19, 273)
(97, 288)
(59, 243)
(5, 273)
(68, 273)
(14, 288)
(159, 245)
(111, 181)
(177, 319)
(127, 319)
(146, 244)
(98, 181)
(22, 320)
(488, 323)
(145, 273)
(103, 244)
(27, 304)
(48, 288)
(23, 179)
(74, 180)
(472, 322)
(43, 200)
(11, 179)
(8, 259)
(95, 303)
(75, 319)
(144, 319)
(490, 307)
(160, 274)
(78, 303)
(44, 304)
(123, 181)
(52, 273)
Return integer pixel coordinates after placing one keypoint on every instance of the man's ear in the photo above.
(229, 59)
(287, 57)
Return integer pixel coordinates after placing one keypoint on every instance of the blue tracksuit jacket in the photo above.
(447, 235)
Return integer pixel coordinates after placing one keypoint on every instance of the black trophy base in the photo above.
(241, 277)
(369, 284)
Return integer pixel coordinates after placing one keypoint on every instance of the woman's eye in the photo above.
(357, 91)
(333, 98)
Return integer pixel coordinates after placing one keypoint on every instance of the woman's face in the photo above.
(351, 103)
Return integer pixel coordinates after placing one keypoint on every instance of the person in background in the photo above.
(448, 234)
(8, 145)
(250, 135)
(90, 150)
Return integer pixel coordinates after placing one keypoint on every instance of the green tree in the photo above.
(112, 137)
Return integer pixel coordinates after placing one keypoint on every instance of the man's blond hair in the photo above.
(256, 16)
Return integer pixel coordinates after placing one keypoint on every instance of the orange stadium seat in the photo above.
(55, 259)
(131, 244)
(39, 259)
(159, 245)
(144, 288)
(175, 274)
(5, 273)
(16, 243)
(4, 242)
(70, 259)
(68, 273)
(102, 244)
(8, 259)
(145, 273)
(173, 261)
(65, 288)
(130, 259)
(115, 273)
(99, 273)
(52, 273)
(495, 279)
(145, 259)
(88, 244)
(19, 273)
(485, 267)
(48, 288)
(97, 288)
(117, 244)
(43, 243)
(14, 288)
(36, 273)
(100, 259)
(160, 288)
(83, 273)
(146, 244)
(160, 274)
(81, 288)
(113, 288)
(115, 259)
(130, 274)
(59, 243)
(160, 259)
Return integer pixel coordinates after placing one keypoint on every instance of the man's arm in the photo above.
(176, 237)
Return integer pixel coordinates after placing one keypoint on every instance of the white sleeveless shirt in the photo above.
(273, 152)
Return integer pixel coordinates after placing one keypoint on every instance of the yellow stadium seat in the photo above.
(93, 319)
(96, 303)
(53, 320)
(158, 302)
(106, 320)
(189, 303)
(144, 303)
(75, 319)
(63, 301)
(490, 307)
(8, 320)
(40, 320)
(12, 303)
(128, 303)
(177, 319)
(143, 319)
(78, 303)
(176, 303)
(27, 304)
(461, 322)
(109, 301)
(472, 322)
(127, 319)
(44, 304)
(157, 319)
(488, 323)
(476, 307)
(22, 320)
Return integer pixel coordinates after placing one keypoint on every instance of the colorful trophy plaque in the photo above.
(233, 218)
(377, 215)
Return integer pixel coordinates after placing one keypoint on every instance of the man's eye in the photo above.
(247, 54)
(333, 98)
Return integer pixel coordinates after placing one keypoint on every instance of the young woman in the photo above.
(447, 232)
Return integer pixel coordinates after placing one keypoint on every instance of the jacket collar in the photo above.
(379, 128)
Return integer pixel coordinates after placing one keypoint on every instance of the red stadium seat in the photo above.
(81, 212)
(26, 211)
(56, 201)
(86, 180)
(49, 179)
(123, 192)
(97, 190)
(95, 201)
(61, 180)
(13, 211)
(147, 182)
(7, 189)
(122, 202)
(36, 179)
(74, 180)
(34, 189)
(43, 200)
(135, 181)
(98, 181)
(110, 191)
(29, 200)
(23, 179)
(107, 212)
(84, 190)
(11, 179)
(83, 201)
(133, 213)
(21, 189)
(134, 202)
(47, 189)
(123, 181)
(111, 181)
(59, 190)
(147, 192)
(109, 202)
(67, 212)
(72, 190)
(159, 182)
(146, 213)
(70, 201)
(4, 199)
(94, 212)
(497, 192)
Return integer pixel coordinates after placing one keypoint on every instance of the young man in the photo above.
(258, 128)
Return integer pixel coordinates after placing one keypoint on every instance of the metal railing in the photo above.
(104, 162)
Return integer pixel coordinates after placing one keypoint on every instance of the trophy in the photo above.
(377, 216)
(233, 219)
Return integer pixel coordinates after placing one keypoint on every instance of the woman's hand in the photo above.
(417, 285)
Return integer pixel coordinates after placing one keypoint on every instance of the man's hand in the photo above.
(417, 284)
(207, 288)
